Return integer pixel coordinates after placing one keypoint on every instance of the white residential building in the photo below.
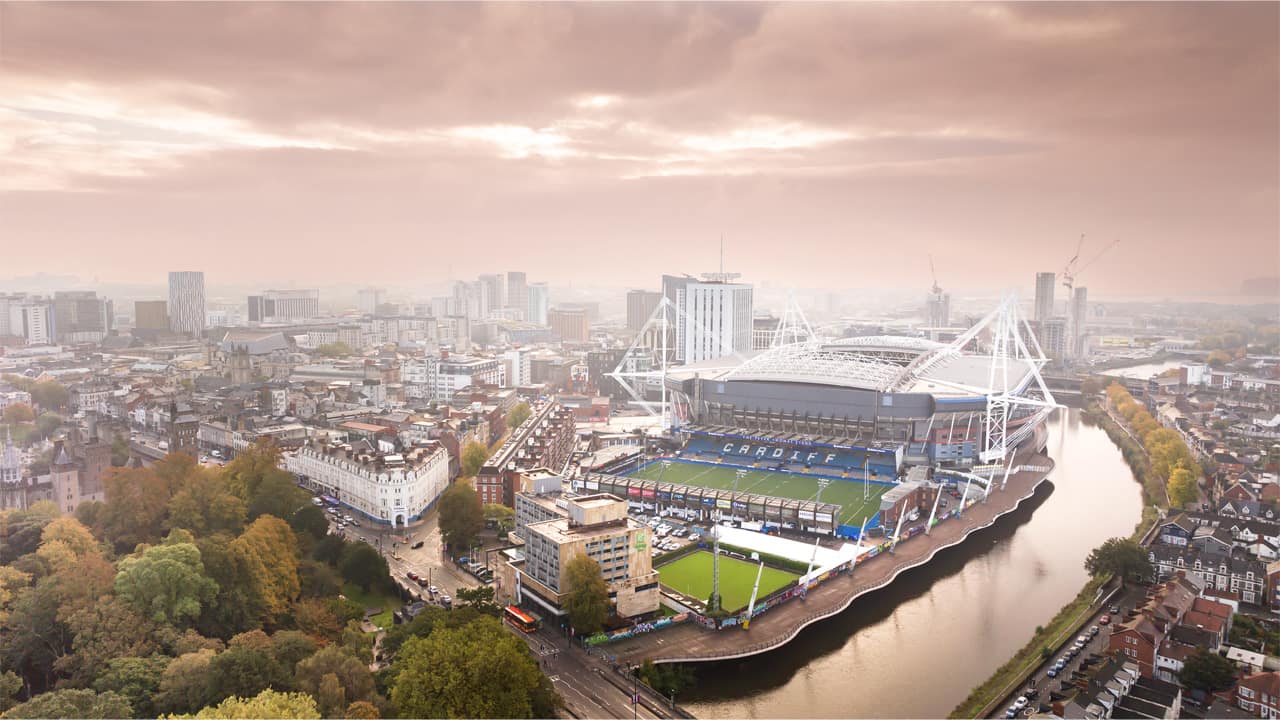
(714, 318)
(539, 303)
(518, 367)
(32, 320)
(389, 488)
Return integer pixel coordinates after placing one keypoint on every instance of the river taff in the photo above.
(916, 648)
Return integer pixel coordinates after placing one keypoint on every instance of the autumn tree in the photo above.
(586, 596)
(273, 551)
(473, 457)
(1183, 490)
(185, 685)
(136, 679)
(337, 667)
(19, 413)
(245, 671)
(362, 565)
(78, 703)
(50, 395)
(1121, 557)
(461, 518)
(473, 656)
(266, 704)
(517, 415)
(135, 509)
(239, 604)
(205, 505)
(167, 583)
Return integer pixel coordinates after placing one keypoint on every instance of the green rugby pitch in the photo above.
(691, 576)
(847, 493)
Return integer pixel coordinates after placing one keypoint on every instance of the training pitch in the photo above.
(847, 493)
(691, 576)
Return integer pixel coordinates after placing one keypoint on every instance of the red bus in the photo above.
(521, 619)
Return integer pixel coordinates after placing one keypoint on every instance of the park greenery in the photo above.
(217, 593)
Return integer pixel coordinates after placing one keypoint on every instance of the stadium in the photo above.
(818, 435)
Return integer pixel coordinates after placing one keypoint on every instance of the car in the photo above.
(416, 545)
(433, 589)
(1053, 671)
(422, 582)
(1115, 609)
(1031, 692)
(1021, 702)
(1082, 639)
(1104, 620)
(695, 537)
(1093, 631)
(942, 502)
(356, 523)
(653, 522)
(412, 575)
(1012, 712)
(446, 601)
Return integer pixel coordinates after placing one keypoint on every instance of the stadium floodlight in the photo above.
(822, 484)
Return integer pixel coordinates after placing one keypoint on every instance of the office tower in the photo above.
(539, 303)
(150, 315)
(82, 316)
(1079, 312)
(518, 292)
(1044, 295)
(569, 323)
(938, 309)
(33, 319)
(284, 305)
(368, 299)
(491, 287)
(186, 302)
(640, 305)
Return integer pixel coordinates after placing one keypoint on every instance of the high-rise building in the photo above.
(640, 306)
(368, 299)
(1079, 313)
(938, 309)
(518, 292)
(150, 315)
(491, 287)
(284, 305)
(569, 323)
(186, 302)
(1052, 334)
(714, 316)
(82, 316)
(539, 303)
(1044, 295)
(33, 319)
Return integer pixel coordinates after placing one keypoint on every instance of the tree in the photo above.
(19, 413)
(1208, 671)
(1183, 490)
(72, 704)
(309, 521)
(470, 657)
(517, 415)
(246, 473)
(315, 618)
(586, 594)
(266, 704)
(10, 684)
(277, 494)
(335, 349)
(119, 451)
(136, 679)
(136, 507)
(1121, 557)
(348, 673)
(273, 551)
(185, 685)
(47, 423)
(103, 631)
(503, 516)
(50, 395)
(239, 604)
(242, 671)
(167, 583)
(206, 505)
(361, 564)
(480, 598)
(361, 710)
(1090, 386)
(461, 518)
(473, 457)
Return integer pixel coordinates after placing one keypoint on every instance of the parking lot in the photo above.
(669, 533)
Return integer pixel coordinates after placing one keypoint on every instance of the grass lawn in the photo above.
(370, 600)
(691, 576)
(847, 493)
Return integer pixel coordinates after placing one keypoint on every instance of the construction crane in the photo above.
(1069, 272)
(936, 290)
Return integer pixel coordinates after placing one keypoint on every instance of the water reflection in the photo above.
(916, 648)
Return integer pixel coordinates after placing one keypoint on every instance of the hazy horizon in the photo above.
(831, 146)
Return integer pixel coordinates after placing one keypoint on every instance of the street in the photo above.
(427, 561)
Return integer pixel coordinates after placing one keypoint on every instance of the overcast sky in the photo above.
(831, 145)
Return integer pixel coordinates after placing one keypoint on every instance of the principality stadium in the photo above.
(821, 435)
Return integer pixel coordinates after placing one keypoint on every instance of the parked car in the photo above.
(412, 575)
(1012, 712)
(433, 589)
(1053, 671)
(1115, 609)
(1021, 702)
(1031, 692)
(1104, 620)
(1093, 631)
(695, 537)
(1082, 639)
(422, 582)
(416, 545)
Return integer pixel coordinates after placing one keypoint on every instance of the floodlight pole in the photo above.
(822, 484)
(751, 606)
(934, 512)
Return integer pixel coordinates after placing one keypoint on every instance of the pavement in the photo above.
(429, 561)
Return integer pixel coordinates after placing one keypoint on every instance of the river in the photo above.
(916, 648)
(1145, 371)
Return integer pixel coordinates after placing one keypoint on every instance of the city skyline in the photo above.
(1004, 132)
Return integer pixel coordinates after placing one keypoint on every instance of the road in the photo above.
(1096, 645)
(589, 685)
(427, 561)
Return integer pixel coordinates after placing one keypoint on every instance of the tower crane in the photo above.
(936, 290)
(1071, 271)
